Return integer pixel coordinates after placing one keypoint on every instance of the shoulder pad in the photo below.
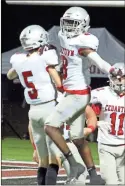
(88, 40)
(46, 48)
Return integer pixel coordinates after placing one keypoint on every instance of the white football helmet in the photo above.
(117, 79)
(74, 22)
(33, 37)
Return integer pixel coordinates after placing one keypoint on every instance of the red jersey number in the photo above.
(33, 94)
(121, 118)
(65, 64)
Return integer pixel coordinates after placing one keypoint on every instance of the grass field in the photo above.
(21, 150)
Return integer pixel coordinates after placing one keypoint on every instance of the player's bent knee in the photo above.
(49, 129)
(79, 143)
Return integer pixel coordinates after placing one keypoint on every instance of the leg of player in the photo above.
(42, 168)
(55, 134)
(71, 107)
(52, 170)
(120, 163)
(39, 137)
(88, 160)
(108, 164)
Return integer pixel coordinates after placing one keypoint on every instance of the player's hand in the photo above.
(87, 131)
(35, 156)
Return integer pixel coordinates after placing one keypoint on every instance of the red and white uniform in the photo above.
(75, 67)
(33, 75)
(112, 113)
(76, 81)
(111, 133)
(39, 91)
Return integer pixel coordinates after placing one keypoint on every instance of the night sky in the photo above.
(17, 17)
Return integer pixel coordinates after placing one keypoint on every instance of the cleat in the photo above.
(97, 180)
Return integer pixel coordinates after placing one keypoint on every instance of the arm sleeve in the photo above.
(96, 60)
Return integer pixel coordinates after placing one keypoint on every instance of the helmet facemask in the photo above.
(72, 27)
(117, 83)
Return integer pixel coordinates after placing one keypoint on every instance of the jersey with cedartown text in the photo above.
(33, 75)
(112, 113)
(76, 74)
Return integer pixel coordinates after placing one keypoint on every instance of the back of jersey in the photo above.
(33, 75)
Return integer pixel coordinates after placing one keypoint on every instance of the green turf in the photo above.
(21, 150)
(16, 149)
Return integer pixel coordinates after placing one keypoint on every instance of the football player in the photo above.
(109, 104)
(78, 53)
(90, 118)
(36, 70)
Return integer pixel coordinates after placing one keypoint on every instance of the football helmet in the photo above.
(117, 78)
(33, 37)
(74, 22)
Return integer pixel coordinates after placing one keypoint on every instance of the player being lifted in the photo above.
(78, 53)
(109, 104)
(36, 69)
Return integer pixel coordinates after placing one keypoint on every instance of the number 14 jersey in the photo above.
(112, 116)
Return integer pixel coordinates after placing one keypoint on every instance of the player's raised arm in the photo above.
(11, 74)
(89, 50)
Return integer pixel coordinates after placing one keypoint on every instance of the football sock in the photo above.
(51, 174)
(41, 174)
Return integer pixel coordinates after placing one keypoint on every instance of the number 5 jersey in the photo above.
(33, 75)
(111, 110)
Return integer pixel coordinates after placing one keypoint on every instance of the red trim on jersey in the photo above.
(60, 89)
(47, 68)
(80, 92)
(121, 95)
(96, 108)
(91, 127)
(87, 33)
(80, 50)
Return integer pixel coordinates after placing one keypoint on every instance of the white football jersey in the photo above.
(75, 67)
(112, 116)
(33, 75)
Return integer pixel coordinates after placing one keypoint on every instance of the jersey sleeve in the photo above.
(13, 59)
(51, 57)
(89, 41)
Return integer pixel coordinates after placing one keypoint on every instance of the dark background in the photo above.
(17, 17)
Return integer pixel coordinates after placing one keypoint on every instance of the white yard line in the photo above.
(18, 166)
(17, 170)
(27, 162)
(17, 177)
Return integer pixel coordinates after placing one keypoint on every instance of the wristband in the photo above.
(34, 146)
(91, 127)
(60, 88)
